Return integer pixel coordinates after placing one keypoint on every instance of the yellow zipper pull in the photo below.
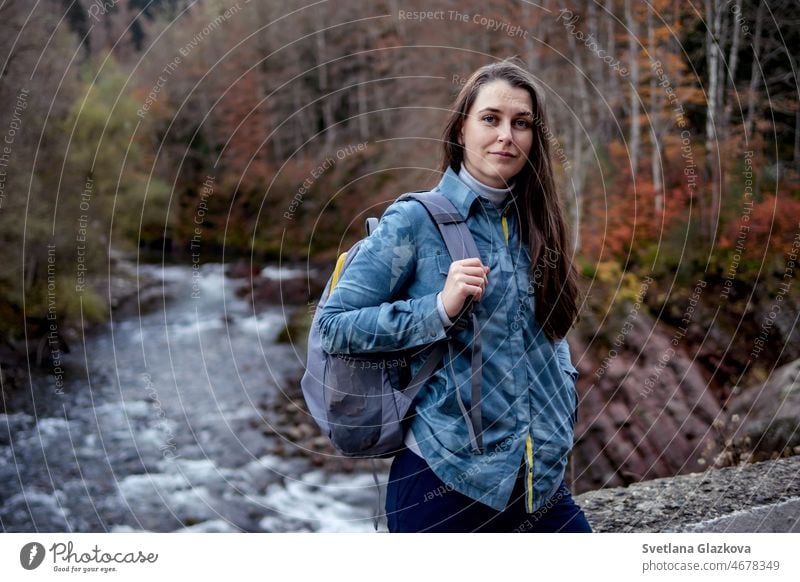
(505, 224)
(529, 473)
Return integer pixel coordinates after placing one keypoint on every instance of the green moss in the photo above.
(297, 328)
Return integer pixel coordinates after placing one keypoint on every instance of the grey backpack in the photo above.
(363, 402)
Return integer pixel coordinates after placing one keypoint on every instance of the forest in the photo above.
(254, 132)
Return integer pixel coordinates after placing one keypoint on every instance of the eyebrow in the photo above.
(523, 112)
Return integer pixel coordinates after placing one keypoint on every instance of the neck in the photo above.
(496, 195)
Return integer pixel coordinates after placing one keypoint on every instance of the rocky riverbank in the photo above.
(288, 417)
(757, 497)
(124, 290)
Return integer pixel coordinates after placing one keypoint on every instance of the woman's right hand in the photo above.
(467, 277)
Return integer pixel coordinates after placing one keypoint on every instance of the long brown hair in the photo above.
(542, 224)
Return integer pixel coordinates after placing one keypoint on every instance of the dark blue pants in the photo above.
(411, 505)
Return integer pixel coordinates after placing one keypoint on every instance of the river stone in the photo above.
(767, 416)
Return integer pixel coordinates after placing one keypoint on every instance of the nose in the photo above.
(504, 132)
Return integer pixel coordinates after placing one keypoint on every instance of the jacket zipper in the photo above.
(528, 439)
(529, 473)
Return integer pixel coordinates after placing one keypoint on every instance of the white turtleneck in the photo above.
(495, 195)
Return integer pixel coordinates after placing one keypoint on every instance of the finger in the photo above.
(475, 291)
(472, 271)
(470, 262)
(473, 281)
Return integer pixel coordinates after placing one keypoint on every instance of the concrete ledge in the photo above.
(759, 497)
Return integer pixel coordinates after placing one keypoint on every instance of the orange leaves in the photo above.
(772, 225)
(623, 216)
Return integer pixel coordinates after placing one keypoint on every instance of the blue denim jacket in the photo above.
(386, 300)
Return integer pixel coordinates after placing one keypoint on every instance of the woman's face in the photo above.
(497, 133)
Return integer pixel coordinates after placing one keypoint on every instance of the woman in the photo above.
(497, 173)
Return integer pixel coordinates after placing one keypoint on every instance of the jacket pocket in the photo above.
(574, 396)
(550, 462)
(429, 277)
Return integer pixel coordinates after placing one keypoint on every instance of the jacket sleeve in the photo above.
(565, 359)
(359, 316)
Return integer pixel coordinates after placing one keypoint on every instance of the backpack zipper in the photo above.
(337, 271)
(528, 439)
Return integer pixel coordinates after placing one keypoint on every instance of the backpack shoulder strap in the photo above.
(450, 222)
(461, 245)
(371, 224)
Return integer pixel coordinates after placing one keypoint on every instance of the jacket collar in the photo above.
(462, 197)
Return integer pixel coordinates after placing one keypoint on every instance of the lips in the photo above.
(503, 154)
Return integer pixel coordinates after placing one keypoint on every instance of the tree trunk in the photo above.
(579, 125)
(322, 80)
(713, 21)
(594, 32)
(633, 56)
(755, 73)
(733, 63)
(534, 41)
(797, 134)
(655, 150)
(614, 81)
